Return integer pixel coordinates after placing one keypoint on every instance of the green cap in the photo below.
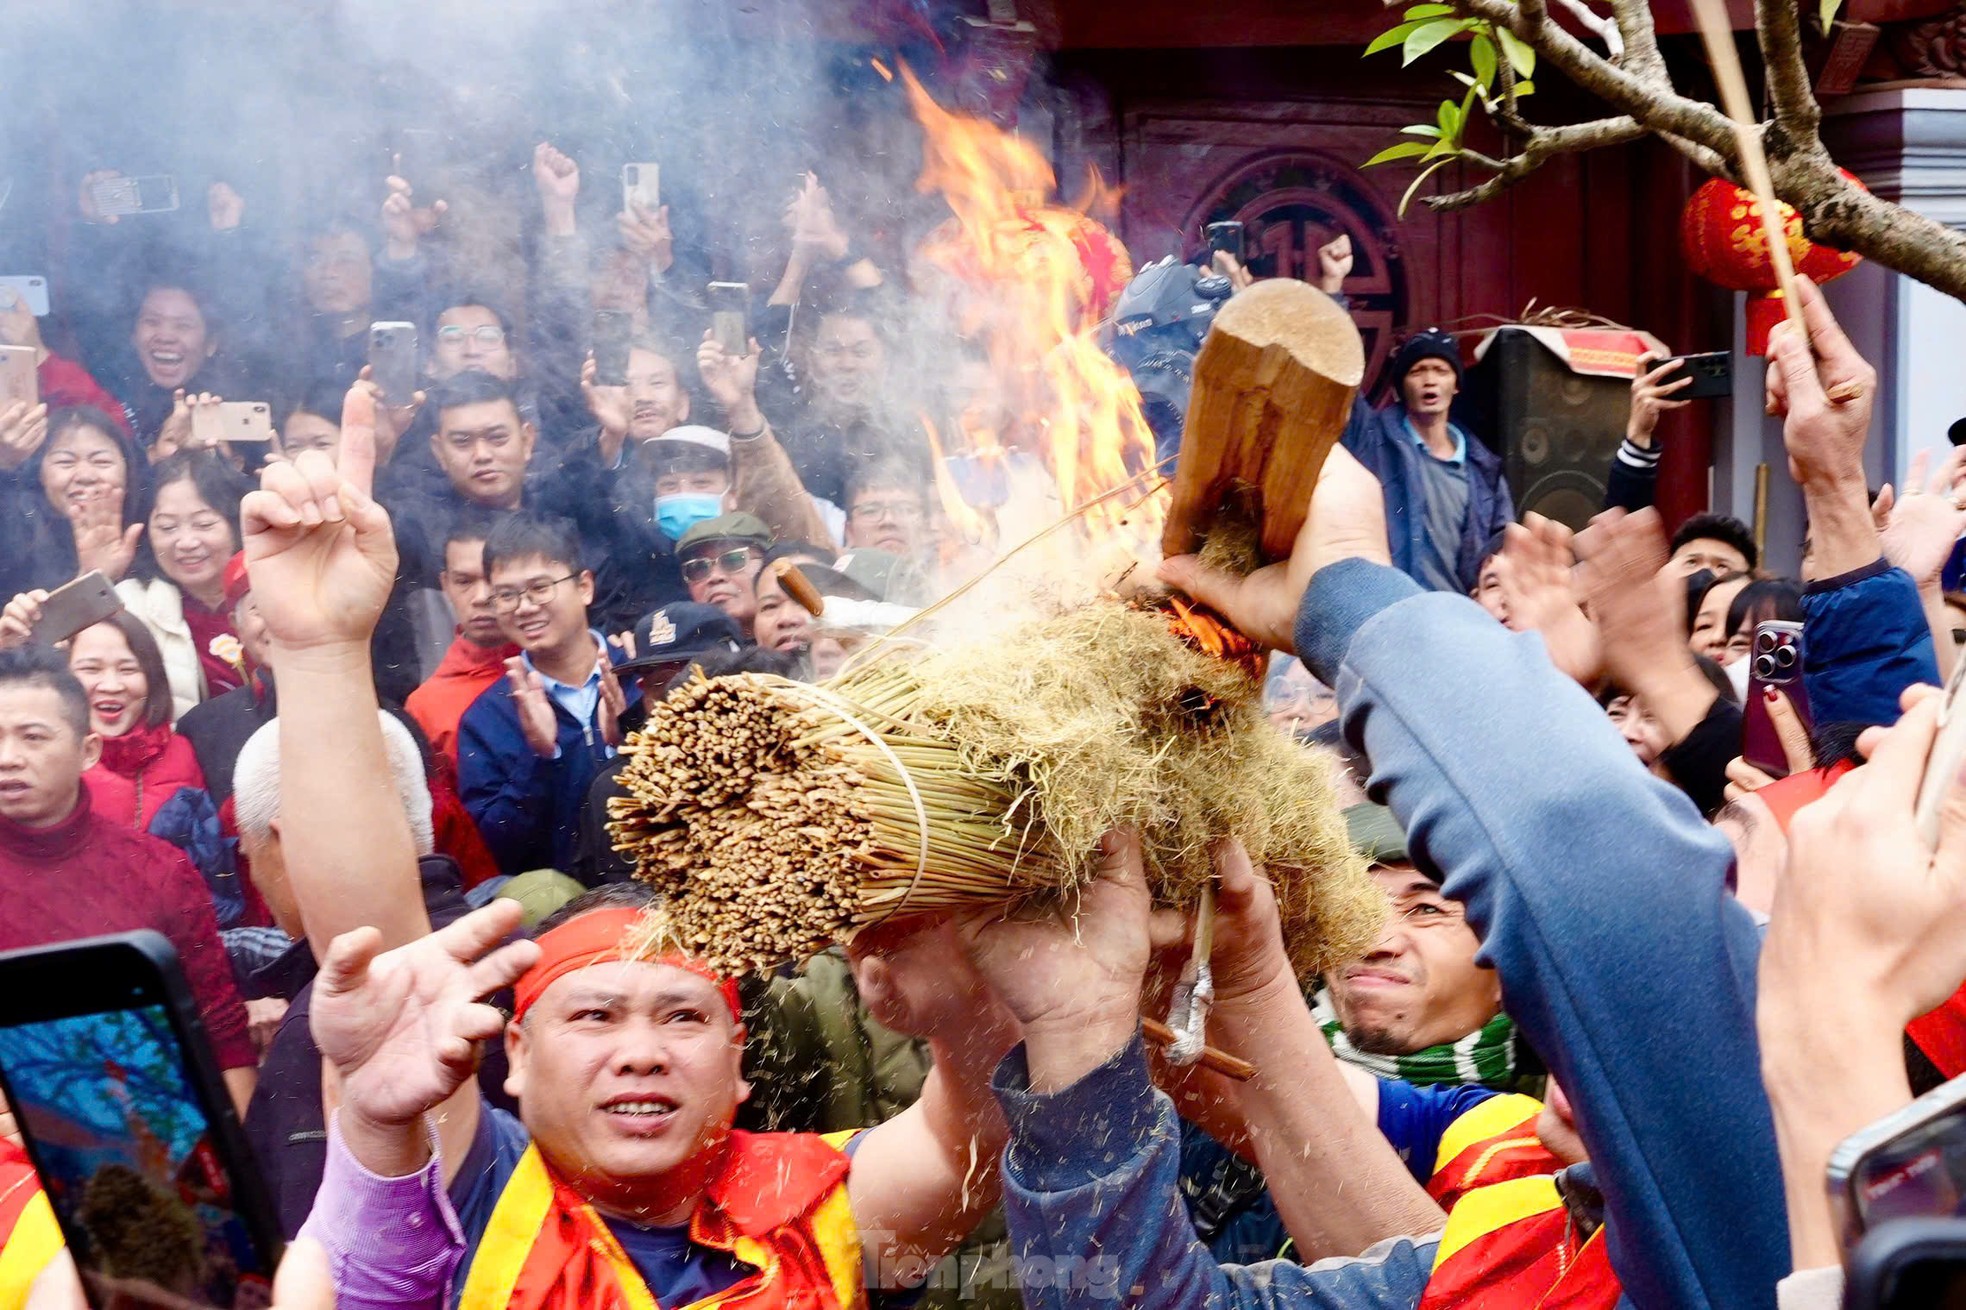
(1376, 834)
(540, 892)
(739, 526)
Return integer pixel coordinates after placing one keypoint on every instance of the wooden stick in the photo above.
(1717, 30)
(1220, 1061)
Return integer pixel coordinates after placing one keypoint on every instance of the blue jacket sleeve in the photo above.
(1864, 640)
(1600, 897)
(1091, 1195)
(505, 785)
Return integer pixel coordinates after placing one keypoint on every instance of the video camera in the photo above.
(1158, 325)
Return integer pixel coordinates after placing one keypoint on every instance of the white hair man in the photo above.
(256, 806)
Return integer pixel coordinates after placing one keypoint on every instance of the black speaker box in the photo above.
(1556, 431)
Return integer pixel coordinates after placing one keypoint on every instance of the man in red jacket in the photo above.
(477, 655)
(69, 873)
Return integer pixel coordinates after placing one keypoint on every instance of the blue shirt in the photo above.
(1415, 1118)
(583, 702)
(1444, 505)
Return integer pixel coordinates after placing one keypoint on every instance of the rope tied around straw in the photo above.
(840, 706)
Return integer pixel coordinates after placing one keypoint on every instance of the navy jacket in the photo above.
(1380, 441)
(1865, 639)
(1588, 882)
(527, 807)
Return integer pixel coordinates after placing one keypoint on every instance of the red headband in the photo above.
(596, 938)
(1785, 796)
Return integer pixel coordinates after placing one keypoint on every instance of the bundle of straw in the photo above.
(776, 818)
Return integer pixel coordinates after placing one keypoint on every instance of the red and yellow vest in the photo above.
(1510, 1243)
(29, 1235)
(779, 1204)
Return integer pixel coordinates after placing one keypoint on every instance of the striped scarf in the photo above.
(1486, 1056)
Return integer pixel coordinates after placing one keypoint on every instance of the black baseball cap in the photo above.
(670, 637)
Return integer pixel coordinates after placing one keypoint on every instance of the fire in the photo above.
(1030, 282)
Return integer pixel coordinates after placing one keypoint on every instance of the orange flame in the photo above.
(1030, 281)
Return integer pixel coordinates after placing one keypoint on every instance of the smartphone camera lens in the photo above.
(1764, 641)
(1785, 658)
(1764, 666)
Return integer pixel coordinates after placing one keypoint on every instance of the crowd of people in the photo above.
(350, 738)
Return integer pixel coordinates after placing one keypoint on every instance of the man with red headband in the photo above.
(621, 1182)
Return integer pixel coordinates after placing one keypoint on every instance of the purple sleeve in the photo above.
(391, 1242)
(206, 967)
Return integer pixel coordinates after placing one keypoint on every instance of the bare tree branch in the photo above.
(1642, 57)
(1542, 144)
(1778, 26)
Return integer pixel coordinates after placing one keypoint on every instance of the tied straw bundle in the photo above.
(776, 818)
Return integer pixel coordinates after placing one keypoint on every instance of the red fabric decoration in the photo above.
(1721, 234)
(595, 938)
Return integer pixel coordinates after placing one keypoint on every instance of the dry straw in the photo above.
(776, 818)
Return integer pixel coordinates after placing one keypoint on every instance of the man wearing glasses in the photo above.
(530, 745)
(720, 559)
(471, 335)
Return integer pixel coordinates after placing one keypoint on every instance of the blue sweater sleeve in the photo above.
(1091, 1196)
(1865, 639)
(1599, 896)
(505, 785)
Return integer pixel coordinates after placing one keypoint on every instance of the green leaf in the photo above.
(1829, 12)
(1525, 88)
(1425, 173)
(1521, 58)
(1391, 37)
(1404, 150)
(1481, 52)
(1430, 34)
(1443, 149)
(1467, 107)
(1450, 120)
(1416, 12)
(1421, 129)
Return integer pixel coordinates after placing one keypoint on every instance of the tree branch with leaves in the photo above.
(1505, 41)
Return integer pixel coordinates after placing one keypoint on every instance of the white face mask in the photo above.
(1737, 673)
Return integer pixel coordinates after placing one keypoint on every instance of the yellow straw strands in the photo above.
(776, 817)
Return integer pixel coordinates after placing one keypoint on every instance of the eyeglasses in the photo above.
(453, 334)
(730, 563)
(506, 599)
(900, 511)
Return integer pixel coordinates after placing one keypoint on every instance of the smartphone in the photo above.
(245, 420)
(1227, 237)
(730, 316)
(1712, 374)
(1947, 757)
(30, 291)
(612, 329)
(641, 188)
(20, 377)
(73, 606)
(1911, 1264)
(392, 360)
(1776, 663)
(117, 196)
(111, 1078)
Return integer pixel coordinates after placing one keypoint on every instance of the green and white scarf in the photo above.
(1486, 1056)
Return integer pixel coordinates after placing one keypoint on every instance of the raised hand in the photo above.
(401, 1027)
(557, 179)
(102, 542)
(1544, 596)
(816, 232)
(1824, 390)
(1638, 612)
(179, 431)
(23, 428)
(319, 549)
(731, 380)
(1334, 264)
(391, 421)
(1073, 981)
(614, 701)
(87, 199)
(647, 237)
(18, 619)
(18, 326)
(225, 207)
(403, 223)
(1347, 520)
(536, 718)
(611, 407)
(1919, 529)
(1652, 396)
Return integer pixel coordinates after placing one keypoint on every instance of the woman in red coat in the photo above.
(144, 763)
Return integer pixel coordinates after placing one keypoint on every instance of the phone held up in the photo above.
(231, 420)
(20, 377)
(1776, 665)
(392, 360)
(641, 188)
(612, 330)
(119, 196)
(25, 289)
(1712, 375)
(76, 605)
(1228, 238)
(107, 1066)
(730, 316)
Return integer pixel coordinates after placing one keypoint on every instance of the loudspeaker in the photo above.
(1556, 431)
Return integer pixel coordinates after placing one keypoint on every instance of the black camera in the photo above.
(1158, 324)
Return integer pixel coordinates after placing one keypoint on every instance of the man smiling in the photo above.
(530, 745)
